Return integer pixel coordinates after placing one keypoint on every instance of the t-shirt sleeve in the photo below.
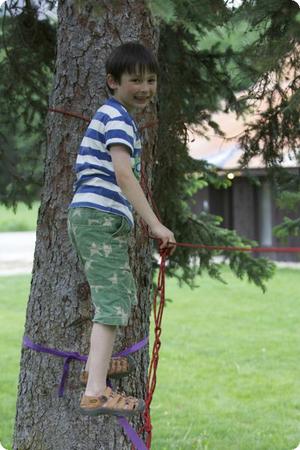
(118, 131)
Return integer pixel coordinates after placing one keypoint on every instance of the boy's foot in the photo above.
(111, 403)
(119, 367)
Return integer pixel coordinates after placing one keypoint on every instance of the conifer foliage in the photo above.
(196, 80)
(27, 57)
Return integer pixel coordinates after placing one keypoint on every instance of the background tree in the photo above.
(27, 57)
(59, 308)
(202, 76)
(277, 85)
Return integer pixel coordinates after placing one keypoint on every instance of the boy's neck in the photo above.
(130, 111)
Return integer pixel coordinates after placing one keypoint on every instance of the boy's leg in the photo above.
(102, 342)
(101, 241)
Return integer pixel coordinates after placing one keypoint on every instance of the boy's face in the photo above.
(134, 90)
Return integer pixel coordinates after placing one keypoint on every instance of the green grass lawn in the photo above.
(23, 220)
(228, 376)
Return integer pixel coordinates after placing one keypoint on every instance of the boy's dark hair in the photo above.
(131, 57)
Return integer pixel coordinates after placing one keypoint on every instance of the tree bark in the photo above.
(59, 309)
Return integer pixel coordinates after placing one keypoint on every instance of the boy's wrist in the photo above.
(154, 223)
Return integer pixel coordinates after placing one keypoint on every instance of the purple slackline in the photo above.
(133, 348)
(131, 433)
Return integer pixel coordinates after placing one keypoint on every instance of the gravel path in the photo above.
(16, 252)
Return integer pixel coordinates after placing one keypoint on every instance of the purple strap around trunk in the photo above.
(74, 355)
(131, 433)
(53, 351)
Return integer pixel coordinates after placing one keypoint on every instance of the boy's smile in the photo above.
(134, 90)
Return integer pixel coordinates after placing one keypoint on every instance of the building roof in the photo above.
(225, 153)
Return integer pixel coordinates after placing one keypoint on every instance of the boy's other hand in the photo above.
(165, 235)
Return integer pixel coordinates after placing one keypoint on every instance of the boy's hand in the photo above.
(166, 235)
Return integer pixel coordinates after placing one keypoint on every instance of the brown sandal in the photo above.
(112, 403)
(120, 366)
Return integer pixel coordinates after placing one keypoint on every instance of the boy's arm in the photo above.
(134, 193)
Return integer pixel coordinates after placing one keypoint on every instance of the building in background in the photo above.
(248, 207)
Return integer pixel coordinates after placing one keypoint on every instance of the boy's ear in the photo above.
(112, 83)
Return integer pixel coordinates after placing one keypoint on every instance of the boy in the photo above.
(100, 219)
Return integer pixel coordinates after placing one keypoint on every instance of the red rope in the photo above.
(158, 307)
(68, 113)
(88, 119)
(237, 249)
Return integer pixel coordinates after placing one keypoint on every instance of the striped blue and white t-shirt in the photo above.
(96, 185)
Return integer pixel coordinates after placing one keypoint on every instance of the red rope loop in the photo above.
(159, 307)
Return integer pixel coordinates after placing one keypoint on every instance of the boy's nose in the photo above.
(145, 87)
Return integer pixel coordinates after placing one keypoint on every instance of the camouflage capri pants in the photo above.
(101, 243)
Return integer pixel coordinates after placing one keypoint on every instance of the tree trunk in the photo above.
(59, 310)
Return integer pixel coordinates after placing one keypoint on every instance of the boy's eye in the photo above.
(139, 80)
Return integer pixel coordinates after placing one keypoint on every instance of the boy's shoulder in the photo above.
(112, 110)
